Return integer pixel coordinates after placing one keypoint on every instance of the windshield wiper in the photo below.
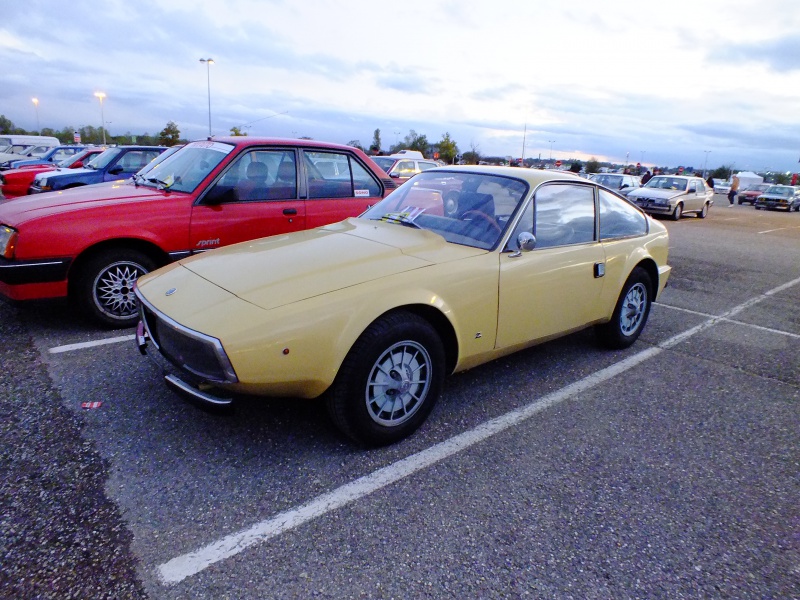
(162, 185)
(400, 218)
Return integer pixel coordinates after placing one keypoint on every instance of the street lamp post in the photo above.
(209, 62)
(551, 142)
(705, 164)
(36, 106)
(100, 96)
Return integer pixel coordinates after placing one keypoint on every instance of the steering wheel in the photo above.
(485, 217)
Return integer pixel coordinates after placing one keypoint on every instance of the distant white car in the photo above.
(721, 186)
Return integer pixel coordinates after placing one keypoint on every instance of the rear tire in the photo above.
(630, 314)
(703, 213)
(389, 381)
(104, 287)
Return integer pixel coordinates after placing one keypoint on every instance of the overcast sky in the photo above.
(661, 83)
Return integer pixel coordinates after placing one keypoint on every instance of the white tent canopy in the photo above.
(748, 178)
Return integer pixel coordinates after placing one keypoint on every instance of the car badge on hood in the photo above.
(171, 291)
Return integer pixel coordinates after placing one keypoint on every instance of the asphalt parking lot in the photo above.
(668, 470)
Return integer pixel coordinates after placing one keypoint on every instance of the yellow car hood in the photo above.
(274, 271)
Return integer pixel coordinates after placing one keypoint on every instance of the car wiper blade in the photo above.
(162, 185)
(401, 218)
(405, 217)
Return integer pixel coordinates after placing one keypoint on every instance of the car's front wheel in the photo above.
(631, 312)
(676, 214)
(104, 288)
(389, 381)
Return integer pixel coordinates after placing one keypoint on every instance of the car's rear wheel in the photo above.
(630, 314)
(104, 289)
(389, 381)
(676, 214)
(703, 213)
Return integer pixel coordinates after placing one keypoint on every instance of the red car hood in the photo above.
(17, 211)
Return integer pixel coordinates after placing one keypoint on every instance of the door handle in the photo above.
(290, 211)
(599, 270)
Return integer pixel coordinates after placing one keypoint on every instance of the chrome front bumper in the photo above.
(194, 389)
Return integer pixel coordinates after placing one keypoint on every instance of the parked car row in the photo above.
(300, 296)
(20, 147)
(17, 181)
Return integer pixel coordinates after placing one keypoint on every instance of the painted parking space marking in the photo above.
(750, 325)
(777, 229)
(179, 568)
(92, 344)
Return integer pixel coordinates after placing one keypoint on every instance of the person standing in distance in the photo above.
(734, 190)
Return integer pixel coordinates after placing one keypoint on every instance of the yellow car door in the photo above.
(556, 287)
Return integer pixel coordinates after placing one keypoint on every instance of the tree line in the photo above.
(88, 134)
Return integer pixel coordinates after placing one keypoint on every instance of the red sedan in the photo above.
(15, 182)
(91, 243)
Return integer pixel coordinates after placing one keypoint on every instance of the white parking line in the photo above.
(750, 325)
(92, 344)
(778, 229)
(186, 565)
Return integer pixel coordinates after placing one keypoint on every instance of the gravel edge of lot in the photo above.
(60, 536)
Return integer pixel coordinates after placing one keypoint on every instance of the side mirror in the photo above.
(624, 185)
(115, 170)
(78, 165)
(526, 242)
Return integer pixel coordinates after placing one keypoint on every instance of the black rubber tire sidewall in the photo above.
(610, 334)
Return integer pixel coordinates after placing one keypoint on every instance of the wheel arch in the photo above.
(156, 254)
(444, 328)
(651, 268)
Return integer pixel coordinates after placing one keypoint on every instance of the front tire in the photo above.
(676, 214)
(630, 314)
(389, 381)
(104, 289)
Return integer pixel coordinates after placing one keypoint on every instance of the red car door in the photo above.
(256, 196)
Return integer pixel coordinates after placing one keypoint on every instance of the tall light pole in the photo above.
(102, 95)
(524, 133)
(705, 164)
(209, 62)
(36, 106)
(551, 142)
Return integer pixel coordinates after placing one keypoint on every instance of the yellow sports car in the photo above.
(459, 266)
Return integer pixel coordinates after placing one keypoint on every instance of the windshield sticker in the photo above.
(216, 146)
(362, 193)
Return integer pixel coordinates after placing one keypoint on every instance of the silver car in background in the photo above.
(674, 195)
